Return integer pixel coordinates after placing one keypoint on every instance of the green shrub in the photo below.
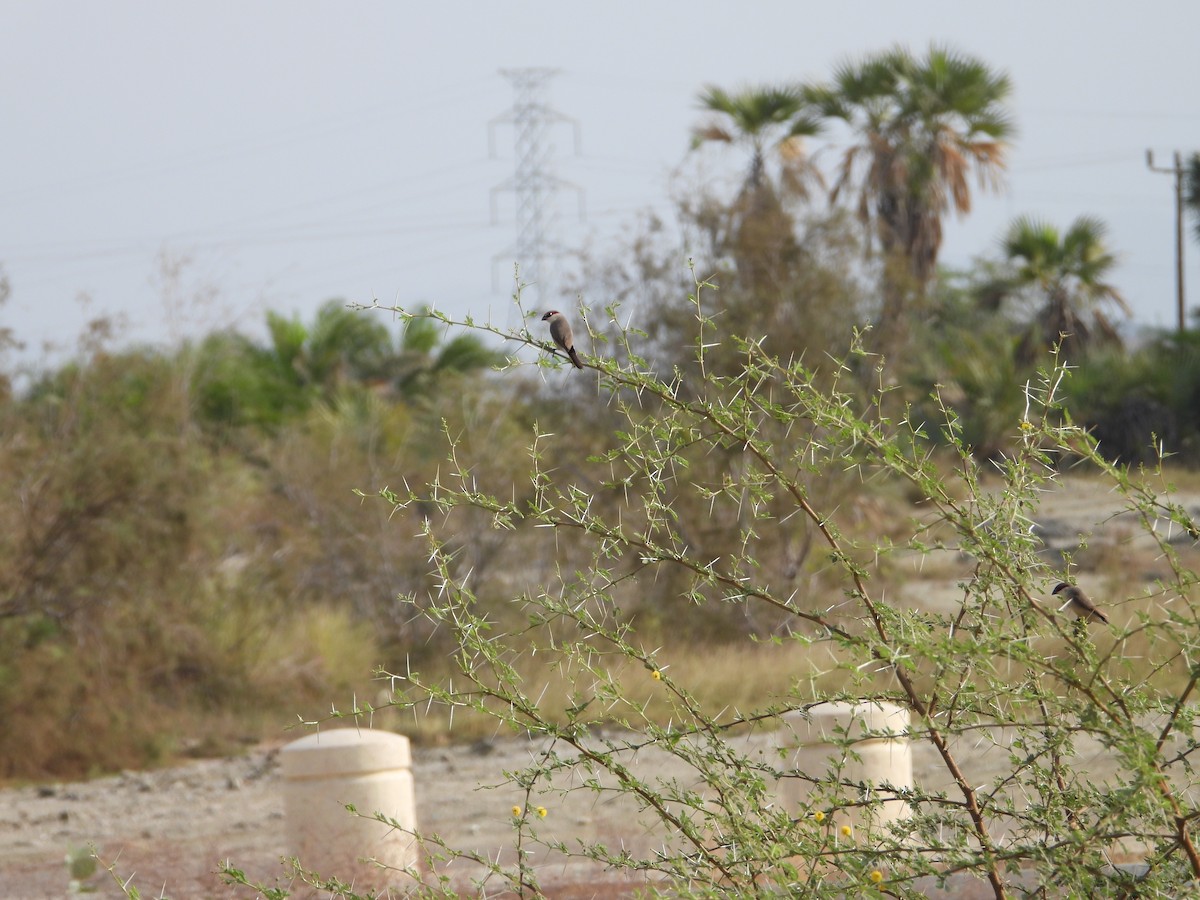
(1004, 666)
(1143, 403)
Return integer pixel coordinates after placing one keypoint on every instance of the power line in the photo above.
(243, 146)
(533, 183)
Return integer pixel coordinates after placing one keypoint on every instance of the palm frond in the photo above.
(420, 334)
(711, 132)
(1192, 190)
(466, 353)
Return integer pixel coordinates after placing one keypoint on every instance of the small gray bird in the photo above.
(560, 331)
(1080, 603)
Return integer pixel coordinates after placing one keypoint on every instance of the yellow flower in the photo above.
(876, 876)
(516, 811)
(847, 831)
(1026, 425)
(541, 811)
(819, 816)
(656, 675)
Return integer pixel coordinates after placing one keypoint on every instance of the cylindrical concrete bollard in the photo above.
(864, 747)
(372, 770)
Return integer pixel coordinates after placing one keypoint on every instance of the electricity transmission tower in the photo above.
(533, 183)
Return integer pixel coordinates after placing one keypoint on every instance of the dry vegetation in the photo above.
(180, 582)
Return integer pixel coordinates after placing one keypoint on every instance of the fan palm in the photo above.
(424, 355)
(760, 119)
(1069, 271)
(922, 125)
(756, 233)
(1191, 197)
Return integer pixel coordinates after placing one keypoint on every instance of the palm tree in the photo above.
(764, 118)
(922, 125)
(345, 345)
(424, 355)
(1191, 197)
(1069, 272)
(757, 231)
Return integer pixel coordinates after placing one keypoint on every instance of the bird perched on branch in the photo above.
(560, 331)
(1080, 603)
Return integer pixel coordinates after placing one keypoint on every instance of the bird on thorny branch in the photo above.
(560, 331)
(1080, 603)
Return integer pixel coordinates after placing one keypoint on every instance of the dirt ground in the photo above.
(167, 830)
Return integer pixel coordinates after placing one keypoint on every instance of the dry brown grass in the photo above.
(726, 680)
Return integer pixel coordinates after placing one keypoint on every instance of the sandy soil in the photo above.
(167, 830)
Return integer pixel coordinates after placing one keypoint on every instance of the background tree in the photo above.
(1068, 274)
(238, 381)
(1142, 403)
(424, 354)
(762, 119)
(757, 225)
(922, 124)
(343, 346)
(8, 338)
(965, 356)
(1192, 191)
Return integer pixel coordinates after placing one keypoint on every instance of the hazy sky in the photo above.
(299, 151)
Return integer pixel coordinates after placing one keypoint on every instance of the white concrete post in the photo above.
(876, 733)
(370, 769)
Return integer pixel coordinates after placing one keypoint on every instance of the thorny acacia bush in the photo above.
(1005, 669)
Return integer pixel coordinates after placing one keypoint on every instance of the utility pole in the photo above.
(1177, 171)
(533, 183)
